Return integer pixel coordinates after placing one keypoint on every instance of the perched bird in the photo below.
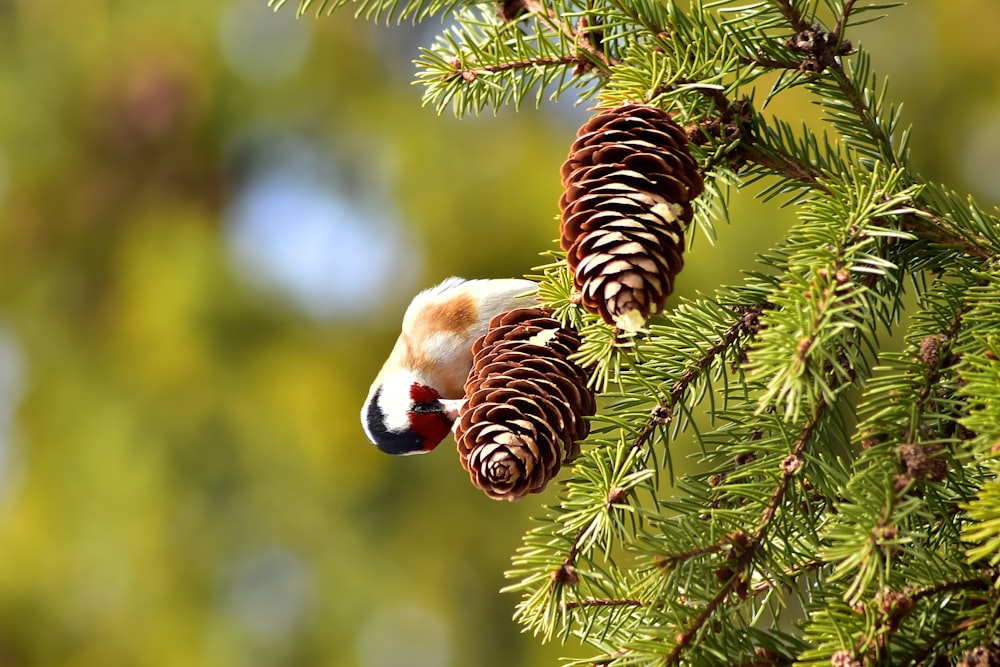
(414, 400)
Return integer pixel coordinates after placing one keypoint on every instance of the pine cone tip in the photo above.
(630, 321)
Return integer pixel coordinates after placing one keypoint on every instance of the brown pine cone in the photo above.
(628, 184)
(525, 407)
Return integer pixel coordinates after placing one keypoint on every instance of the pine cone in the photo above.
(525, 404)
(629, 180)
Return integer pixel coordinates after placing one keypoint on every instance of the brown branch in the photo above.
(785, 165)
(929, 648)
(943, 349)
(792, 15)
(958, 628)
(722, 103)
(662, 413)
(764, 586)
(470, 74)
(579, 37)
(747, 324)
(921, 223)
(771, 63)
(684, 638)
(674, 559)
(788, 471)
(977, 584)
(936, 229)
(745, 548)
(841, 25)
(863, 111)
(602, 602)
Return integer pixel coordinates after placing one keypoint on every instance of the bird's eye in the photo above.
(425, 399)
(422, 408)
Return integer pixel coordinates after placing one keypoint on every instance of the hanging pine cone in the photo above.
(525, 404)
(628, 184)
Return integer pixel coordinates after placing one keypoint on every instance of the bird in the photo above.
(415, 398)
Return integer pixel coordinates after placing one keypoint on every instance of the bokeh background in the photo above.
(211, 218)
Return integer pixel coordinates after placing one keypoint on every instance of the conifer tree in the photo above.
(846, 511)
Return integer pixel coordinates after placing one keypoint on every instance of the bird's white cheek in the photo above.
(395, 402)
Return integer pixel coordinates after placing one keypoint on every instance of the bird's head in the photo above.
(405, 416)
(415, 398)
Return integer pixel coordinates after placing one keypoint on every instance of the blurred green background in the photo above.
(211, 218)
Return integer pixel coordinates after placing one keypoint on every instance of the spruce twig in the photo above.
(880, 515)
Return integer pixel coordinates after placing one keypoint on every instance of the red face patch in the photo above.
(433, 427)
(427, 418)
(421, 393)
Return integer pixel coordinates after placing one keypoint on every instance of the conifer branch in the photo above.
(674, 559)
(980, 583)
(687, 635)
(864, 112)
(575, 35)
(934, 350)
(746, 325)
(782, 163)
(885, 519)
(602, 602)
(895, 607)
(792, 15)
(662, 413)
(766, 585)
(936, 229)
(746, 546)
(789, 467)
(470, 73)
(731, 122)
(842, 19)
(934, 644)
